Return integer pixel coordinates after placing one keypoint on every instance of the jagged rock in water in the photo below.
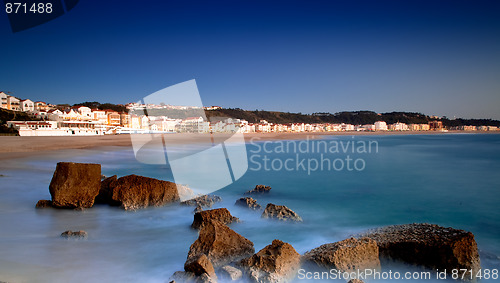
(280, 212)
(202, 201)
(259, 189)
(199, 265)
(248, 202)
(220, 214)
(277, 262)
(220, 244)
(69, 233)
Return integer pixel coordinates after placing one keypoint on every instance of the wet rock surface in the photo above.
(220, 214)
(76, 234)
(280, 212)
(75, 185)
(277, 262)
(248, 202)
(135, 192)
(428, 245)
(259, 189)
(347, 255)
(220, 244)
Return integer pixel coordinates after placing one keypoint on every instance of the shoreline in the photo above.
(14, 147)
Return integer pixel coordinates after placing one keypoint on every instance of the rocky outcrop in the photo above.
(428, 245)
(347, 255)
(220, 244)
(106, 191)
(230, 272)
(134, 192)
(43, 203)
(200, 265)
(202, 201)
(280, 212)
(220, 214)
(75, 185)
(248, 202)
(69, 233)
(277, 262)
(355, 281)
(259, 189)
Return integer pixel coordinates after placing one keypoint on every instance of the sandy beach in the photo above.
(18, 147)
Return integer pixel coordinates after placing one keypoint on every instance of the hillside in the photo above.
(8, 115)
(353, 117)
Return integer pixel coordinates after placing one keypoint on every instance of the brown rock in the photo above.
(106, 191)
(220, 214)
(202, 201)
(248, 202)
(43, 203)
(70, 233)
(428, 245)
(280, 212)
(277, 262)
(259, 189)
(134, 192)
(199, 265)
(347, 255)
(75, 185)
(220, 244)
(355, 281)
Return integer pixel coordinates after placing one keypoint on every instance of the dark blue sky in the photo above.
(435, 57)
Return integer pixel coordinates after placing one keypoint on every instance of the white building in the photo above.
(99, 116)
(27, 105)
(56, 128)
(3, 100)
(84, 111)
(399, 127)
(13, 103)
(381, 126)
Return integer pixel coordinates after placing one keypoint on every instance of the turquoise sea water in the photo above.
(450, 179)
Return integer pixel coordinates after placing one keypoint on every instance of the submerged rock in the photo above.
(75, 185)
(70, 233)
(428, 245)
(280, 212)
(220, 214)
(43, 203)
(134, 192)
(202, 201)
(259, 189)
(220, 244)
(277, 262)
(347, 255)
(248, 202)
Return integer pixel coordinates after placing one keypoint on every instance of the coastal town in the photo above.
(51, 120)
